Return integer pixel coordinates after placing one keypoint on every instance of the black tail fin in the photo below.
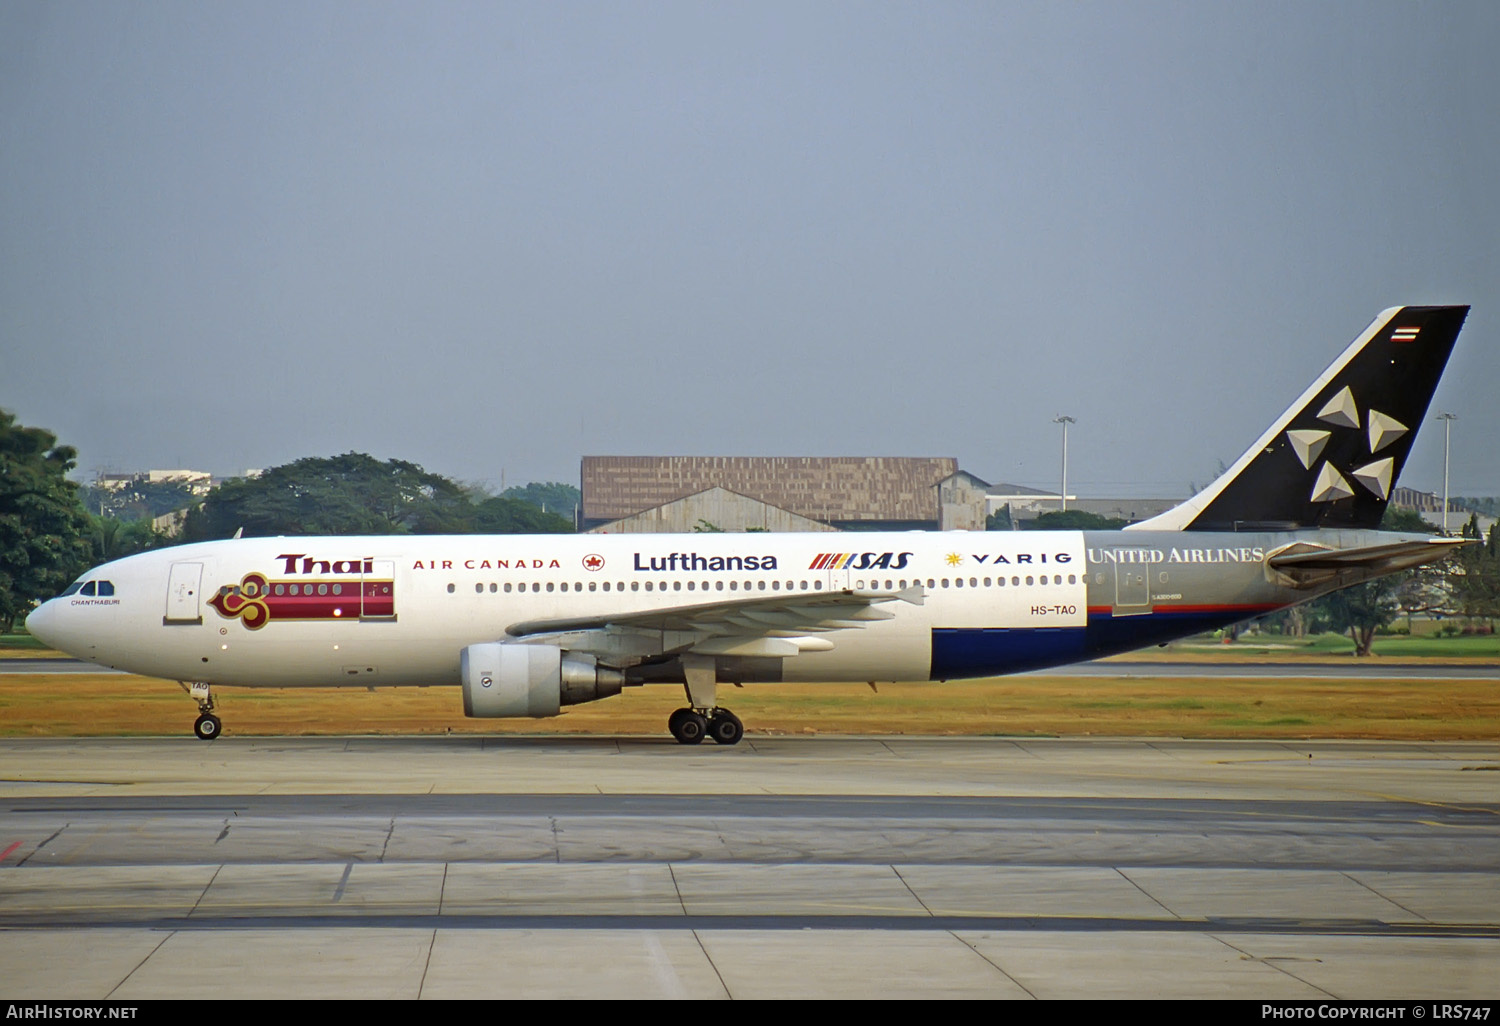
(1333, 457)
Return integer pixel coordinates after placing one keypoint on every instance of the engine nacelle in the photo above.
(504, 678)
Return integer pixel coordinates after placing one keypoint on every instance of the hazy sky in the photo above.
(497, 236)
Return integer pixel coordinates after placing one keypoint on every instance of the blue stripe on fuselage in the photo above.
(959, 652)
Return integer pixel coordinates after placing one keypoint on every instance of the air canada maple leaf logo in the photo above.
(593, 561)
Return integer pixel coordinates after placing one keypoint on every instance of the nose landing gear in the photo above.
(207, 725)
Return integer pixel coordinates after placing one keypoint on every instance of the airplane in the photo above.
(527, 624)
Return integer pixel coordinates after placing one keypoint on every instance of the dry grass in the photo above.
(74, 705)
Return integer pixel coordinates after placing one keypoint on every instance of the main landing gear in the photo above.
(207, 725)
(689, 726)
(703, 718)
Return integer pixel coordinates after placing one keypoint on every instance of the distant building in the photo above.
(1422, 502)
(199, 482)
(713, 509)
(675, 493)
(1029, 503)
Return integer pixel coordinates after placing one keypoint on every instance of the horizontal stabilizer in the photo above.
(1377, 558)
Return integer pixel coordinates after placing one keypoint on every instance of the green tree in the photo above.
(1361, 610)
(358, 494)
(499, 515)
(349, 494)
(139, 500)
(1475, 574)
(552, 496)
(1073, 520)
(44, 531)
(1407, 520)
(113, 538)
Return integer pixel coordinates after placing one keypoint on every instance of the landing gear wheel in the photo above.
(725, 727)
(207, 727)
(687, 726)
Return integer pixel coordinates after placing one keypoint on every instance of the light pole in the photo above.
(1064, 421)
(1447, 419)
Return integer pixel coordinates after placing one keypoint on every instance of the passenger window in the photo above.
(606, 585)
(507, 587)
(593, 586)
(450, 589)
(281, 589)
(676, 585)
(494, 587)
(817, 585)
(1028, 580)
(718, 586)
(690, 585)
(479, 589)
(945, 582)
(648, 585)
(958, 582)
(1015, 582)
(1057, 579)
(564, 586)
(549, 586)
(635, 585)
(775, 585)
(322, 589)
(761, 585)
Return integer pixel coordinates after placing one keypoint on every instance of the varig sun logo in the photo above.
(256, 601)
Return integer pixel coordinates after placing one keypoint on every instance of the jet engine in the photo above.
(505, 678)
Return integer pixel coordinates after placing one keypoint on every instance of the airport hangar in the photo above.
(681, 494)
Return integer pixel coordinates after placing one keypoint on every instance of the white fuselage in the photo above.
(398, 610)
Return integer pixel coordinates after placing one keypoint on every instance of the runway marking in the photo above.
(1260, 925)
(1430, 803)
(338, 892)
(43, 844)
(6, 853)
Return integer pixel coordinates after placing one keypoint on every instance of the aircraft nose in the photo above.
(44, 624)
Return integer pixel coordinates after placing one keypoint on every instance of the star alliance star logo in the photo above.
(954, 559)
(1342, 411)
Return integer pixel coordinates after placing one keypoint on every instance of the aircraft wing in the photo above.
(775, 625)
(1377, 558)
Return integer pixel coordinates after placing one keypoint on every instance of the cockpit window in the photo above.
(106, 588)
(72, 589)
(88, 589)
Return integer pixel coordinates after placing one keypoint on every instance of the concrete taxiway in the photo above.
(783, 867)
